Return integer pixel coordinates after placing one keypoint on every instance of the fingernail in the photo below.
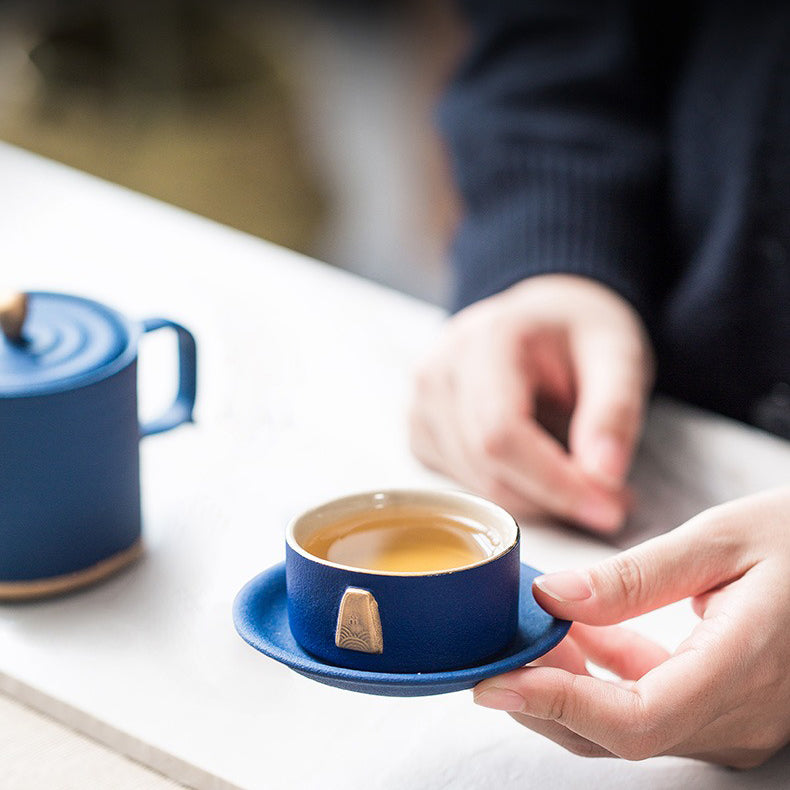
(499, 699)
(601, 513)
(565, 586)
(606, 461)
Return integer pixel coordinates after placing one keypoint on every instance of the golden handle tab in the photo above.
(358, 622)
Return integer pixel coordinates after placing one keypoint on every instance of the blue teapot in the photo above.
(69, 435)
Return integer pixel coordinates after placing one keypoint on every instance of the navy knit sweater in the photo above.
(646, 145)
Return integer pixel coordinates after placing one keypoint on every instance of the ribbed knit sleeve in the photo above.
(556, 144)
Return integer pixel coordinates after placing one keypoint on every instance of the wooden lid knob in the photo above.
(13, 310)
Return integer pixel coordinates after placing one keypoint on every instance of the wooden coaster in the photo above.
(56, 585)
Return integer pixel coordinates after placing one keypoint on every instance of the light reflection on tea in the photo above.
(403, 538)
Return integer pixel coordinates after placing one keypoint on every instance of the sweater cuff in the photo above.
(551, 215)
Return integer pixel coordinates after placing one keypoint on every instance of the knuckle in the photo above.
(646, 736)
(624, 575)
(559, 704)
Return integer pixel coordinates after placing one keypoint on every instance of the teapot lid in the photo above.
(63, 339)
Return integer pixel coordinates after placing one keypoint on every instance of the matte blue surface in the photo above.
(64, 338)
(430, 622)
(69, 477)
(260, 615)
(69, 459)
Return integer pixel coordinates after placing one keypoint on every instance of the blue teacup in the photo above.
(403, 621)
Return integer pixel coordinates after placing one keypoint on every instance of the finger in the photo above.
(439, 420)
(567, 655)
(493, 399)
(646, 719)
(712, 674)
(662, 712)
(427, 448)
(475, 388)
(448, 458)
(532, 461)
(562, 736)
(601, 712)
(620, 650)
(690, 690)
(432, 432)
(421, 440)
(493, 395)
(688, 561)
(612, 379)
(711, 600)
(699, 604)
(507, 497)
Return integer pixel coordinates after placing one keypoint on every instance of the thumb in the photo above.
(685, 562)
(613, 378)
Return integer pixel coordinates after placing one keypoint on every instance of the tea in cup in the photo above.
(404, 581)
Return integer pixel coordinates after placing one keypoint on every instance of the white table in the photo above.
(304, 378)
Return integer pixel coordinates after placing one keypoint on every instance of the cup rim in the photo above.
(424, 494)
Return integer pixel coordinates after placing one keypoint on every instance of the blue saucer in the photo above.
(261, 618)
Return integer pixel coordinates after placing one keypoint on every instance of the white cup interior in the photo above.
(500, 526)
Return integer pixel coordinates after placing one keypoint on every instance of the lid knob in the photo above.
(13, 310)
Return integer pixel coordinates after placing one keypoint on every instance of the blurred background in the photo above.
(308, 124)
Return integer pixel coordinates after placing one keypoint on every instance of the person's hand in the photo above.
(722, 696)
(479, 410)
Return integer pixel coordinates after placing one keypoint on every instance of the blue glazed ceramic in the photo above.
(428, 621)
(260, 613)
(69, 433)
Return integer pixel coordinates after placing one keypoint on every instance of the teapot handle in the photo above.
(180, 410)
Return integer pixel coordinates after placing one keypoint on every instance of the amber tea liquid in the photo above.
(403, 538)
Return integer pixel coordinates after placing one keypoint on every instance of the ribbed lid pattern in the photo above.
(64, 339)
